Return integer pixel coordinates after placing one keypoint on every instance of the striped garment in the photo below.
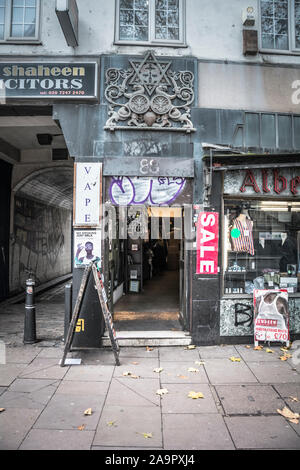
(244, 242)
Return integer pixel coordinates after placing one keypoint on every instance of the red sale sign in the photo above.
(207, 243)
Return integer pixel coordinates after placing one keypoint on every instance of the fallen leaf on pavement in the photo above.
(269, 350)
(1, 410)
(195, 395)
(287, 413)
(199, 363)
(247, 347)
(81, 428)
(147, 435)
(283, 358)
(235, 359)
(294, 399)
(258, 348)
(162, 391)
(192, 369)
(182, 376)
(88, 412)
(191, 346)
(158, 369)
(288, 355)
(135, 363)
(110, 423)
(129, 374)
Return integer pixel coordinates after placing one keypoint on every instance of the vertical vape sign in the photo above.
(88, 193)
(207, 243)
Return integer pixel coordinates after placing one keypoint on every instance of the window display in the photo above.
(262, 245)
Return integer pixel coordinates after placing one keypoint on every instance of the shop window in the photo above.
(150, 21)
(280, 24)
(19, 20)
(261, 246)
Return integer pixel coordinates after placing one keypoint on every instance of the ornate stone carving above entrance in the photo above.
(149, 95)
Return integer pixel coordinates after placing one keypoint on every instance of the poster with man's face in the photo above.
(271, 315)
(87, 247)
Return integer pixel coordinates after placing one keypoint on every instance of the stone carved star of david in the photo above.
(150, 73)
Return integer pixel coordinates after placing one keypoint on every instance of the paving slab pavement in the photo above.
(144, 404)
(44, 403)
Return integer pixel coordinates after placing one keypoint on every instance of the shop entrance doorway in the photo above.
(152, 293)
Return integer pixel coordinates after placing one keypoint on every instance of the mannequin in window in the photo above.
(289, 252)
(241, 231)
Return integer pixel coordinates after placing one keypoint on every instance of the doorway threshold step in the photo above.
(150, 338)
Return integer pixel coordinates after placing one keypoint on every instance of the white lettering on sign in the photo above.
(149, 166)
(207, 243)
(88, 180)
(296, 94)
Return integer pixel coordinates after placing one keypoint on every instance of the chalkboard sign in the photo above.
(104, 308)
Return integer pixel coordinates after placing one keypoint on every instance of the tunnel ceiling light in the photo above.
(44, 139)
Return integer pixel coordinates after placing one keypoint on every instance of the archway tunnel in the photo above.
(41, 227)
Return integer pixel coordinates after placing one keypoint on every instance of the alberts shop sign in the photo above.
(265, 182)
(76, 80)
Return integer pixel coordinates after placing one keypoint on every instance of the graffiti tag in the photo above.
(160, 190)
(243, 315)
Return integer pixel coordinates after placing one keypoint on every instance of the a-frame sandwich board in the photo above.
(104, 308)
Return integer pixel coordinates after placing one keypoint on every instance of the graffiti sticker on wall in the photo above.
(125, 191)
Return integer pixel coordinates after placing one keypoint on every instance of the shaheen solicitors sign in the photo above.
(51, 80)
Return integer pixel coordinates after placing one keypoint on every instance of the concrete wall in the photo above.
(249, 87)
(227, 78)
(40, 229)
(40, 242)
(213, 31)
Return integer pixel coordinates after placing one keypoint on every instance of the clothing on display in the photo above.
(262, 248)
(289, 253)
(242, 240)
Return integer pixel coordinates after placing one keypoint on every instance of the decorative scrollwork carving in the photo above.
(156, 97)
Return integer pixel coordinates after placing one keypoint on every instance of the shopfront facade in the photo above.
(260, 243)
(258, 205)
(178, 129)
(164, 159)
(142, 137)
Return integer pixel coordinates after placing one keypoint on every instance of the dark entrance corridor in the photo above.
(155, 308)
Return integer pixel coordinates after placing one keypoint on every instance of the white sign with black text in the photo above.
(88, 188)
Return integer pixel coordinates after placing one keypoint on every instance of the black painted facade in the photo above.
(272, 138)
